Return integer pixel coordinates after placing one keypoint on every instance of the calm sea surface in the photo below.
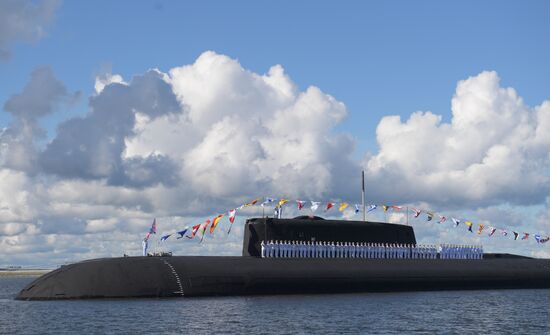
(461, 312)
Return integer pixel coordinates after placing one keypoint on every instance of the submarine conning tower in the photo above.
(304, 228)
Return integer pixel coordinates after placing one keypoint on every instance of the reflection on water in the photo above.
(457, 312)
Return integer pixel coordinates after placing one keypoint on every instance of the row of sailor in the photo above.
(452, 251)
(322, 249)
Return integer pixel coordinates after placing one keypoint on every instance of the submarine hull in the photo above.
(189, 276)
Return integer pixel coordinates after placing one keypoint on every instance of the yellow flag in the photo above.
(252, 203)
(480, 229)
(385, 208)
(215, 222)
(343, 206)
(282, 202)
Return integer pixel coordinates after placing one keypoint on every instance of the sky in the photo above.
(115, 113)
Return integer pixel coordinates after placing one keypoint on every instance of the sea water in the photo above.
(445, 312)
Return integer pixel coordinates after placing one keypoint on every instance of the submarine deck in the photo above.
(132, 277)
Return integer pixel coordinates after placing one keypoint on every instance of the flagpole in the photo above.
(363, 193)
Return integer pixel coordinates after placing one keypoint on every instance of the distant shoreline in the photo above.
(23, 272)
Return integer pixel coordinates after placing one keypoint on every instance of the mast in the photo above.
(363, 193)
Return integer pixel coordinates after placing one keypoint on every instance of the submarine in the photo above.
(164, 276)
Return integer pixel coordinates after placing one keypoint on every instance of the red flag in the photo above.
(153, 227)
(194, 230)
(300, 204)
(232, 214)
(215, 222)
(152, 230)
(204, 226)
(252, 203)
(329, 206)
(525, 236)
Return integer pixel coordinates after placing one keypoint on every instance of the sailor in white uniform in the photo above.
(144, 247)
(276, 249)
(263, 249)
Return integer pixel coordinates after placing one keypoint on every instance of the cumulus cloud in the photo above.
(40, 97)
(91, 147)
(495, 149)
(25, 20)
(185, 144)
(244, 133)
(105, 79)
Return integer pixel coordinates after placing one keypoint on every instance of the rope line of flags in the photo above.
(210, 225)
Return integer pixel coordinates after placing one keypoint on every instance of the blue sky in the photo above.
(210, 130)
(379, 58)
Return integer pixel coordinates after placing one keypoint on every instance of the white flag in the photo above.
(315, 205)
(267, 201)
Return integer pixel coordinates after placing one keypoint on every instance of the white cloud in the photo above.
(107, 79)
(199, 139)
(495, 149)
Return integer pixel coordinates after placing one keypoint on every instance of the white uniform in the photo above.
(144, 246)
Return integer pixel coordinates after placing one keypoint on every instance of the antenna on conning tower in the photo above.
(363, 193)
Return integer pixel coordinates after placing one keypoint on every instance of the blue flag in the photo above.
(181, 233)
(165, 237)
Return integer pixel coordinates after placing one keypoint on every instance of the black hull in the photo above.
(189, 276)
